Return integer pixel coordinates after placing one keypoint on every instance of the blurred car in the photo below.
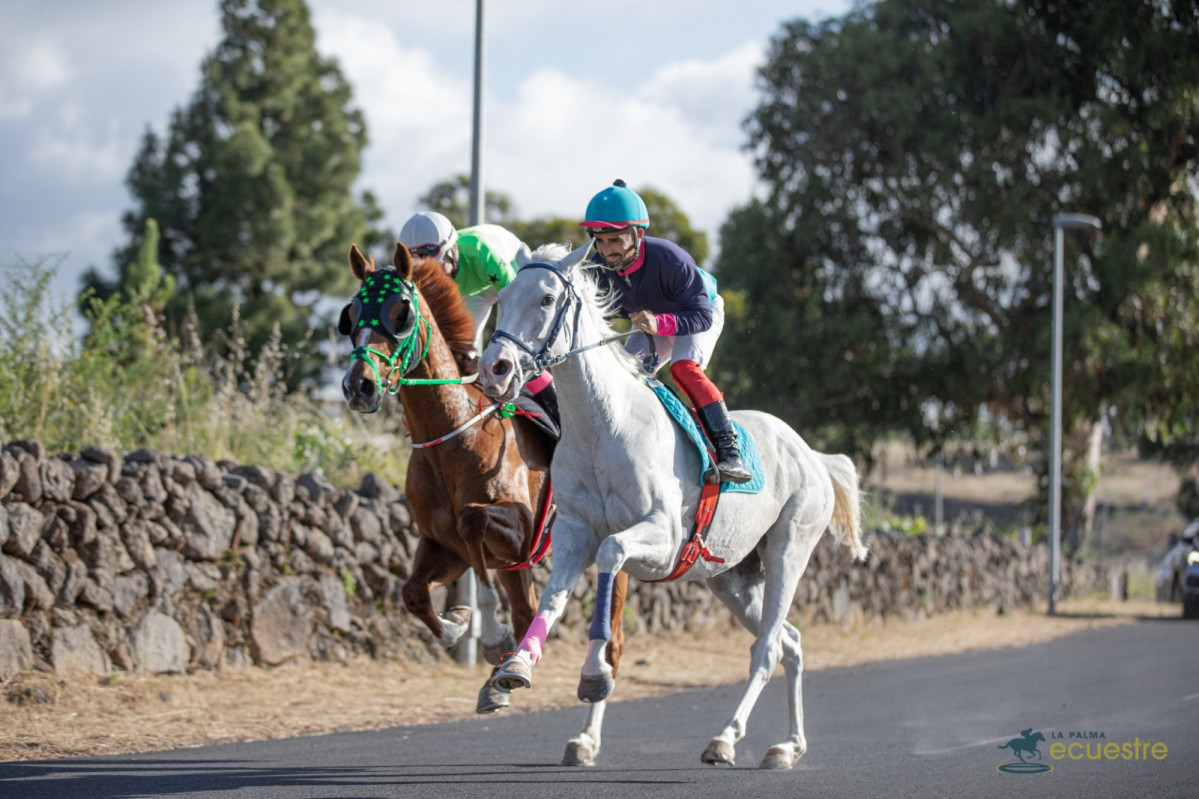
(1171, 576)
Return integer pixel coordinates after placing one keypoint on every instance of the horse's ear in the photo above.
(402, 260)
(523, 256)
(574, 258)
(359, 264)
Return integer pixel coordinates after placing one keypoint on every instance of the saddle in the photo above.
(695, 548)
(532, 410)
(685, 419)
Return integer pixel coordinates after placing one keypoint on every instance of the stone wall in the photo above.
(171, 564)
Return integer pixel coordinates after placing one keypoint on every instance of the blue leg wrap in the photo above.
(601, 619)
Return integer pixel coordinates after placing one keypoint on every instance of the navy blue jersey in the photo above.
(664, 280)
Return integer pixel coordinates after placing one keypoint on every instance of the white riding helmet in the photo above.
(430, 231)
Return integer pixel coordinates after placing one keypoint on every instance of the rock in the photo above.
(208, 631)
(321, 492)
(29, 475)
(281, 624)
(135, 534)
(89, 476)
(37, 593)
(12, 589)
(16, 652)
(207, 473)
(333, 597)
(106, 457)
(159, 644)
(375, 487)
(24, 529)
(76, 573)
(128, 592)
(58, 480)
(208, 526)
(74, 650)
(319, 547)
(10, 471)
(94, 595)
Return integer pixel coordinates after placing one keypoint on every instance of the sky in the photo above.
(575, 95)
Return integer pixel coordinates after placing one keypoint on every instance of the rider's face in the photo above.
(449, 261)
(618, 247)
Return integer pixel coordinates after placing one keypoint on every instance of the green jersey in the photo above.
(486, 257)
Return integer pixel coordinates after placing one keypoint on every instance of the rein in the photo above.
(542, 360)
(506, 411)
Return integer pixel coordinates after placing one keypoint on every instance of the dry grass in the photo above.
(49, 717)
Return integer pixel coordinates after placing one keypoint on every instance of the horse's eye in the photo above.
(547, 300)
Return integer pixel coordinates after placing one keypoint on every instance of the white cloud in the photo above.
(39, 67)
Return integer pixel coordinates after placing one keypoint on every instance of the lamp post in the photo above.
(1061, 223)
(467, 651)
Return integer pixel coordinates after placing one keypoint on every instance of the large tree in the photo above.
(916, 153)
(252, 186)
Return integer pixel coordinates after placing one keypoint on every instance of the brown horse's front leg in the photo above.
(432, 566)
(620, 587)
(500, 529)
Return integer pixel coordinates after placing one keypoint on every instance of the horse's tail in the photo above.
(846, 523)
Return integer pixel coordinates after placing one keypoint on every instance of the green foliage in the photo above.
(251, 186)
(348, 581)
(898, 274)
(128, 385)
(667, 221)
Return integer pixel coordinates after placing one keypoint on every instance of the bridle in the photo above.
(379, 293)
(540, 360)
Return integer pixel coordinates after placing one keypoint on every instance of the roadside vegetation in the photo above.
(127, 384)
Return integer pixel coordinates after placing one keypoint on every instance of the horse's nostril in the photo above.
(501, 368)
(366, 389)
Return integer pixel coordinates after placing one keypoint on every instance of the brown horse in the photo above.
(478, 488)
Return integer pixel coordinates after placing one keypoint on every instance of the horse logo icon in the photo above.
(1025, 745)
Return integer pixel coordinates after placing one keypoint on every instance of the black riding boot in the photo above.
(547, 397)
(715, 418)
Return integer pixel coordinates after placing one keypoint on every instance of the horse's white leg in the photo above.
(646, 542)
(584, 748)
(496, 637)
(573, 552)
(775, 638)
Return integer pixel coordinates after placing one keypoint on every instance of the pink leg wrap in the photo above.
(539, 630)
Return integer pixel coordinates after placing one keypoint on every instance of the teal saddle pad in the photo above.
(750, 455)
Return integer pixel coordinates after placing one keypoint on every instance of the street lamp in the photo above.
(1061, 222)
(467, 651)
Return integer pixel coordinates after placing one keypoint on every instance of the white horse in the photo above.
(627, 484)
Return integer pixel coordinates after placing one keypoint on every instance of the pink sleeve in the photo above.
(666, 324)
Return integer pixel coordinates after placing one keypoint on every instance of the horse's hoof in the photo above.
(719, 753)
(492, 699)
(578, 753)
(513, 673)
(454, 622)
(494, 653)
(780, 758)
(595, 689)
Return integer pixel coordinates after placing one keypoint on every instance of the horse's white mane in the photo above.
(601, 306)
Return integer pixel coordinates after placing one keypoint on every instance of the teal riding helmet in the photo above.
(616, 207)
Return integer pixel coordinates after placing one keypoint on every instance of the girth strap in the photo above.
(695, 548)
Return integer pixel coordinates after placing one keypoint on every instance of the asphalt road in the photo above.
(916, 728)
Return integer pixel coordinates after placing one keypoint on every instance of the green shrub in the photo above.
(127, 384)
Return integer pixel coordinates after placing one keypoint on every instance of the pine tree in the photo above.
(252, 186)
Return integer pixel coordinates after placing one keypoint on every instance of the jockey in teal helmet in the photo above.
(674, 305)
